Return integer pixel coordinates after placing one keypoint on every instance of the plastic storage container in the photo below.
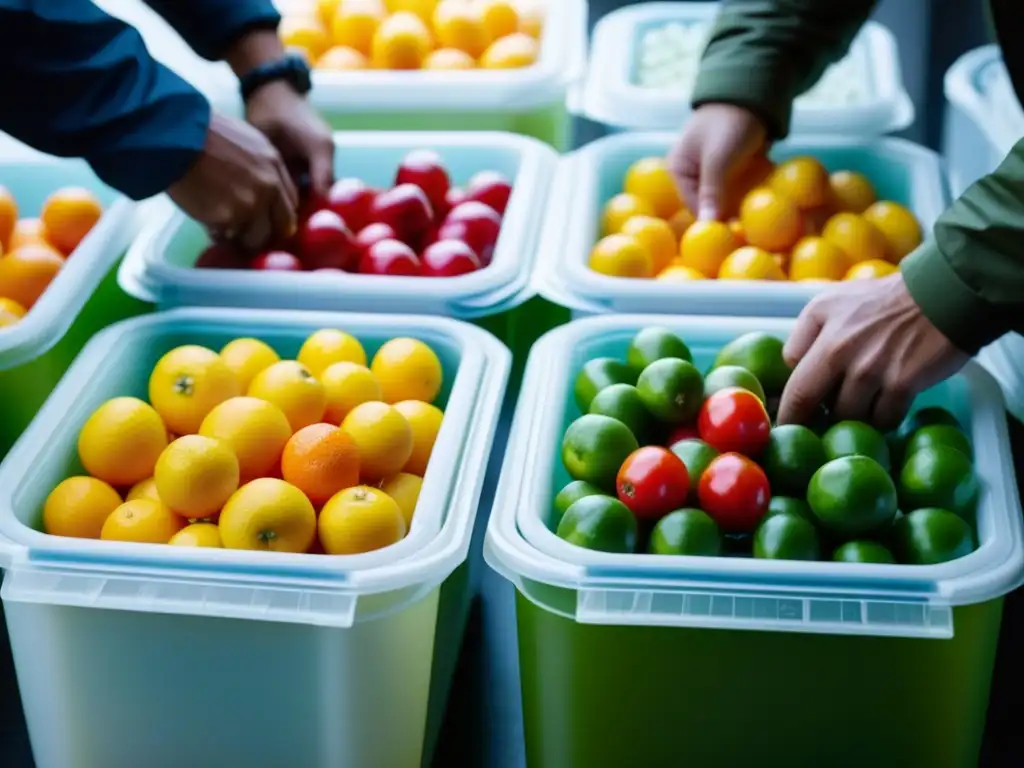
(901, 171)
(668, 660)
(644, 59)
(169, 656)
(531, 100)
(83, 298)
(501, 297)
(983, 121)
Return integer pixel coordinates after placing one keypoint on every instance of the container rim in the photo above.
(521, 547)
(963, 89)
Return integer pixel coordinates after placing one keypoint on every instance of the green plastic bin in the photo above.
(83, 298)
(641, 660)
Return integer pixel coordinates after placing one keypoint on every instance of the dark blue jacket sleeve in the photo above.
(211, 26)
(77, 82)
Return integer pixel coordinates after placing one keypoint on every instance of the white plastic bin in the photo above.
(900, 171)
(131, 654)
(644, 59)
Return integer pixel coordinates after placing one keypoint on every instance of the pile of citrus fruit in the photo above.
(791, 221)
(243, 450)
(341, 35)
(669, 461)
(33, 250)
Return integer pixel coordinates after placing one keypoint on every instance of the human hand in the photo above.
(870, 343)
(239, 187)
(718, 143)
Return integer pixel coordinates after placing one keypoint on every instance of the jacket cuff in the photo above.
(963, 317)
(751, 86)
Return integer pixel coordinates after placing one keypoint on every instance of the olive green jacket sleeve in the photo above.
(762, 54)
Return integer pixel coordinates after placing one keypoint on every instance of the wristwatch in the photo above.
(292, 69)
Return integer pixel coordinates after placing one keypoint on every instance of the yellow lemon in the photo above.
(855, 237)
(197, 535)
(770, 221)
(706, 245)
(803, 180)
(195, 476)
(121, 441)
(460, 25)
(145, 489)
(649, 179)
(305, 34)
(360, 519)
(677, 273)
(78, 507)
(851, 192)
(187, 383)
(144, 521)
(354, 24)
(656, 236)
(347, 385)
(621, 209)
(383, 437)
(500, 17)
(291, 387)
(329, 346)
(750, 263)
(425, 422)
(620, 255)
(407, 369)
(402, 41)
(870, 270)
(268, 514)
(511, 52)
(449, 59)
(817, 258)
(255, 430)
(246, 358)
(899, 228)
(404, 488)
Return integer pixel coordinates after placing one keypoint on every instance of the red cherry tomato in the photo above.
(652, 481)
(734, 419)
(682, 432)
(734, 491)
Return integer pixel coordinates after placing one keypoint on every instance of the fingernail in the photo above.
(707, 213)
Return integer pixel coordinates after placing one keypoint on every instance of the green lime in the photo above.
(863, 551)
(932, 535)
(672, 389)
(852, 496)
(855, 438)
(594, 448)
(655, 343)
(939, 476)
(601, 523)
(786, 537)
(728, 376)
(623, 402)
(925, 417)
(597, 374)
(573, 492)
(788, 505)
(938, 434)
(686, 532)
(794, 453)
(696, 455)
(761, 354)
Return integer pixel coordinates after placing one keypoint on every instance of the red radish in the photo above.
(389, 257)
(491, 189)
(351, 199)
(405, 209)
(425, 169)
(374, 233)
(276, 261)
(449, 258)
(325, 241)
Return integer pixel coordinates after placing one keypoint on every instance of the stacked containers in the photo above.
(83, 298)
(661, 660)
(983, 121)
(306, 660)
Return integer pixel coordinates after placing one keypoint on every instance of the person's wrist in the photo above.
(254, 49)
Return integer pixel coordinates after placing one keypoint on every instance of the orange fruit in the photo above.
(269, 515)
(8, 217)
(770, 221)
(320, 460)
(402, 41)
(511, 52)
(656, 236)
(706, 245)
(143, 521)
(341, 58)
(870, 269)
(187, 383)
(851, 192)
(449, 59)
(803, 180)
(404, 488)
(347, 385)
(425, 422)
(305, 34)
(422, 8)
(290, 386)
(195, 475)
(407, 369)
(329, 346)
(384, 439)
(460, 25)
(360, 519)
(197, 535)
(677, 273)
(26, 272)
(817, 258)
(531, 18)
(247, 357)
(500, 17)
(743, 180)
(27, 232)
(68, 215)
(750, 263)
(11, 307)
(650, 180)
(858, 239)
(121, 441)
(898, 226)
(354, 25)
(621, 256)
(681, 221)
(621, 209)
(254, 430)
(78, 507)
(144, 489)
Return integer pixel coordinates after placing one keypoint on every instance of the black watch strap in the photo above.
(292, 69)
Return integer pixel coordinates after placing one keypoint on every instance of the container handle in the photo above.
(323, 608)
(763, 612)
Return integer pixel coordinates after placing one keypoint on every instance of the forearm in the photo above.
(764, 53)
(80, 83)
(213, 27)
(969, 278)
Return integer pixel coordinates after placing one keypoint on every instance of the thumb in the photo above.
(713, 169)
